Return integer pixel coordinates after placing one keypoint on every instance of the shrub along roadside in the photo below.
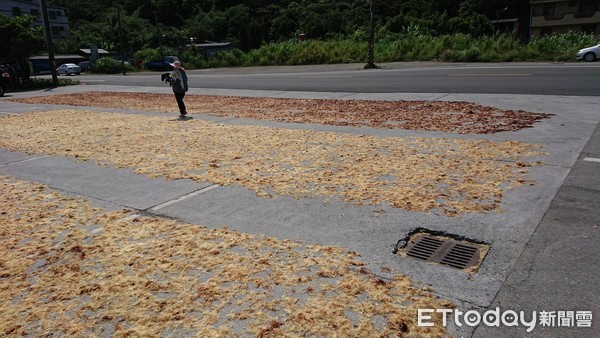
(410, 46)
(108, 65)
(40, 83)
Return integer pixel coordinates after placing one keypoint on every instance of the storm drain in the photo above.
(455, 253)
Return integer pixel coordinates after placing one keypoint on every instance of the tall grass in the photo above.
(561, 47)
(411, 46)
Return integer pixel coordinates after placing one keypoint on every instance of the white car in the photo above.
(68, 69)
(589, 54)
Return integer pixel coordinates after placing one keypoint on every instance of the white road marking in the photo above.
(592, 159)
(325, 77)
(490, 74)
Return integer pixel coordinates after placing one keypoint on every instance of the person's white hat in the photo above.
(176, 64)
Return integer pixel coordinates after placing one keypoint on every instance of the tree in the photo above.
(136, 34)
(250, 23)
(20, 41)
(286, 24)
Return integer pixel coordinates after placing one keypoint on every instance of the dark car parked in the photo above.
(84, 66)
(164, 64)
(5, 81)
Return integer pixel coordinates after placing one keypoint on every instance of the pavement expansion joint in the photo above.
(26, 160)
(184, 197)
(128, 218)
(442, 97)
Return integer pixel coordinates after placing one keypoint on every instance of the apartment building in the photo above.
(561, 16)
(59, 21)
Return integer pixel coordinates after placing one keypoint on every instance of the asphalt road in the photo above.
(572, 79)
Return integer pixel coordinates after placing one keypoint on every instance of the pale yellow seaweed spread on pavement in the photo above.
(70, 269)
(411, 173)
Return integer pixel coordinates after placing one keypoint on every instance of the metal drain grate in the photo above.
(426, 248)
(444, 250)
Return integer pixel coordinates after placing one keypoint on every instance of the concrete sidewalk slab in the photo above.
(117, 186)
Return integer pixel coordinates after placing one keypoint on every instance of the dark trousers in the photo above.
(179, 97)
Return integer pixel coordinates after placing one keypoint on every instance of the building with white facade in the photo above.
(59, 21)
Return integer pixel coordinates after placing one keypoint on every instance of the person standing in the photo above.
(179, 84)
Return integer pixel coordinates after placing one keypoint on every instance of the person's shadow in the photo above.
(183, 118)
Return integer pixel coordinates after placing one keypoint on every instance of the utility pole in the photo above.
(498, 18)
(120, 36)
(371, 46)
(49, 42)
(160, 49)
(530, 21)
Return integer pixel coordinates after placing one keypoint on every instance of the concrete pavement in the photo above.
(558, 269)
(543, 245)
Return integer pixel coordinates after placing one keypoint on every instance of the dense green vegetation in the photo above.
(108, 65)
(405, 47)
(265, 32)
(251, 24)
